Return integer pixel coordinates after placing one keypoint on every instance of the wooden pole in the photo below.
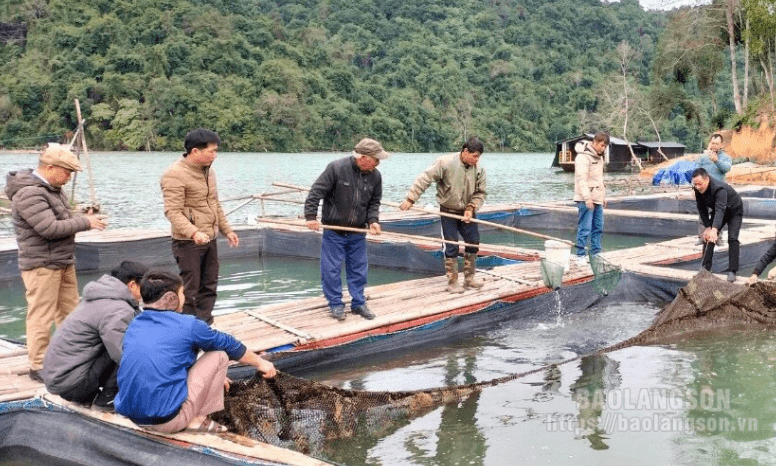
(459, 217)
(92, 195)
(489, 247)
(240, 206)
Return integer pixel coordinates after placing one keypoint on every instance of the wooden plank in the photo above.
(230, 443)
(401, 304)
(274, 323)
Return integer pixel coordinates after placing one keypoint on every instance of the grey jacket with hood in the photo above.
(95, 326)
(44, 225)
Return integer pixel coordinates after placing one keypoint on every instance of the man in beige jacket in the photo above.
(191, 204)
(590, 194)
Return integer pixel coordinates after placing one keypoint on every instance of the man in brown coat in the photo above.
(45, 234)
(191, 204)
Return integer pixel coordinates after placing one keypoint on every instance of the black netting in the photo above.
(303, 414)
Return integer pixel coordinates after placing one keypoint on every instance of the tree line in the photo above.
(308, 75)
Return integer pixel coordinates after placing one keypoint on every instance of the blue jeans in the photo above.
(589, 225)
(350, 247)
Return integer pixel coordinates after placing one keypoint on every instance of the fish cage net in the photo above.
(708, 304)
(304, 415)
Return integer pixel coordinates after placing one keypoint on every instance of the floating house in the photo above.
(618, 155)
(671, 150)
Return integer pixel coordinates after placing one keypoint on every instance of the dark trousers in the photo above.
(198, 264)
(350, 247)
(469, 232)
(101, 374)
(733, 220)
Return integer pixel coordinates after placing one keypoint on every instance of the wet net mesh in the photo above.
(606, 275)
(552, 274)
(303, 414)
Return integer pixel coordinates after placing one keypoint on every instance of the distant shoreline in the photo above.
(18, 151)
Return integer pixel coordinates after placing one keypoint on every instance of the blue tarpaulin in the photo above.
(678, 173)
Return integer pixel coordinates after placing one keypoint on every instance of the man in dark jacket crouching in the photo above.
(85, 351)
(718, 205)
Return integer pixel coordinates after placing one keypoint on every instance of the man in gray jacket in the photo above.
(45, 234)
(85, 351)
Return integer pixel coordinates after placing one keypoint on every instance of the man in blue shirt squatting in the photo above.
(162, 384)
(351, 189)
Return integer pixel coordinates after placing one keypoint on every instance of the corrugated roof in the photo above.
(612, 140)
(666, 144)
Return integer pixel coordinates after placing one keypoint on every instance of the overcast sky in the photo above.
(669, 4)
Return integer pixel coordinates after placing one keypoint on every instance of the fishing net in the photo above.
(303, 414)
(606, 275)
(552, 274)
(709, 304)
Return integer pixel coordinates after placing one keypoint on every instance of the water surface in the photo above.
(566, 415)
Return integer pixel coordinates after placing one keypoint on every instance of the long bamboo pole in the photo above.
(92, 195)
(459, 217)
(489, 247)
(262, 197)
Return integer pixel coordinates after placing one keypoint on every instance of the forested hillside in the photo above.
(294, 75)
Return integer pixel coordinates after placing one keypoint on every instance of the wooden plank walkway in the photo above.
(306, 323)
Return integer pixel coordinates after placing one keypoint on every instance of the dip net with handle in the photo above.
(303, 415)
(606, 275)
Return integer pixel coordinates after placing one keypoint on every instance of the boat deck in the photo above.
(306, 324)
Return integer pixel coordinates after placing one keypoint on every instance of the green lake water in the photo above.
(708, 401)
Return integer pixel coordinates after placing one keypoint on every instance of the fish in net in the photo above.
(303, 415)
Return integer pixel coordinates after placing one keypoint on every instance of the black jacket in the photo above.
(351, 198)
(719, 197)
(765, 260)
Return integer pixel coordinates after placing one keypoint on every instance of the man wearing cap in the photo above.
(191, 204)
(351, 189)
(45, 234)
(461, 190)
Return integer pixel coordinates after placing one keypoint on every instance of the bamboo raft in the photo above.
(306, 324)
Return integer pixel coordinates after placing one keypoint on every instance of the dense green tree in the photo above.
(290, 75)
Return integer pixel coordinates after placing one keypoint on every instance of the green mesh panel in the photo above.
(552, 274)
(607, 275)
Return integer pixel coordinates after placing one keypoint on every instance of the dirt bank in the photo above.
(755, 144)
